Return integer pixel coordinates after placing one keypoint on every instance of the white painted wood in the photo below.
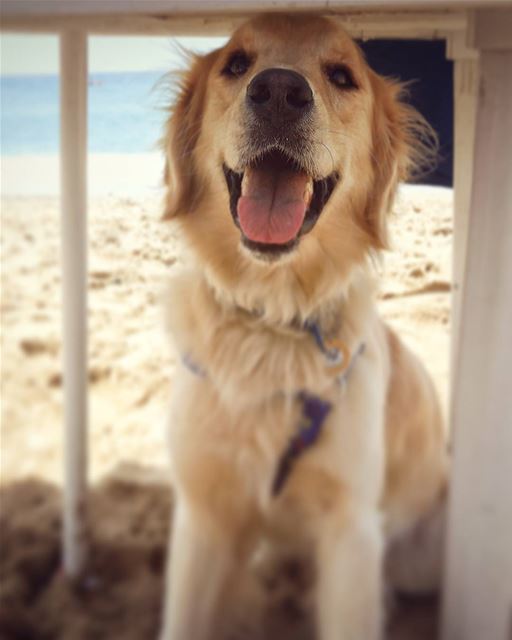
(457, 45)
(202, 7)
(360, 25)
(147, 25)
(73, 76)
(478, 581)
(466, 79)
(492, 30)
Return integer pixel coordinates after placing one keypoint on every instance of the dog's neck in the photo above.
(251, 355)
(328, 318)
(336, 311)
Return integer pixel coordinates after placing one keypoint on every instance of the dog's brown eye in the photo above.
(237, 65)
(340, 76)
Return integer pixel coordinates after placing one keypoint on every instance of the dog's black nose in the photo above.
(279, 96)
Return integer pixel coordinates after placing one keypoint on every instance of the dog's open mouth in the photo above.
(274, 201)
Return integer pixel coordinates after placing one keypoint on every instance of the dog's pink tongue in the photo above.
(272, 207)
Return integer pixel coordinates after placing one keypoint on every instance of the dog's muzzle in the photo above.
(274, 196)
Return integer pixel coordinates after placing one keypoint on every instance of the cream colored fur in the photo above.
(379, 466)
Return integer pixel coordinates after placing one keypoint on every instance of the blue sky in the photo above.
(34, 54)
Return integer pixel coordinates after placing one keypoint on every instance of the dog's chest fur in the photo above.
(237, 405)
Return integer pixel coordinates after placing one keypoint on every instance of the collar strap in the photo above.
(339, 359)
(335, 351)
(314, 412)
(193, 366)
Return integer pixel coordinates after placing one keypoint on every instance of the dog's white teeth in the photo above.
(308, 191)
(245, 180)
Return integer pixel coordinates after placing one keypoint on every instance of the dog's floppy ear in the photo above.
(403, 144)
(181, 134)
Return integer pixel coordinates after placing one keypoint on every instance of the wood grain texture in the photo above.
(478, 589)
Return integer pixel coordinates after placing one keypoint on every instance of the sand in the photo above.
(120, 596)
(130, 373)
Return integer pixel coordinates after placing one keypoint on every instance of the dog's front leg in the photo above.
(349, 559)
(202, 566)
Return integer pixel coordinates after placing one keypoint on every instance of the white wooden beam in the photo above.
(143, 25)
(478, 581)
(389, 24)
(73, 78)
(203, 7)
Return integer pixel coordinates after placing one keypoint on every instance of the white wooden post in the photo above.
(465, 89)
(478, 580)
(73, 87)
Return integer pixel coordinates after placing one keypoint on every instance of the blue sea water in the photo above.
(125, 113)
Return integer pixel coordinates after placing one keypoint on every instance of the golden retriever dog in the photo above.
(297, 416)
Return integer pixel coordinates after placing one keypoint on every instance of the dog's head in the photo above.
(284, 143)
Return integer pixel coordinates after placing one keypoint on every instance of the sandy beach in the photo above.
(131, 366)
(131, 252)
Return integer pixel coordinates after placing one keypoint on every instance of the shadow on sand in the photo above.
(121, 593)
